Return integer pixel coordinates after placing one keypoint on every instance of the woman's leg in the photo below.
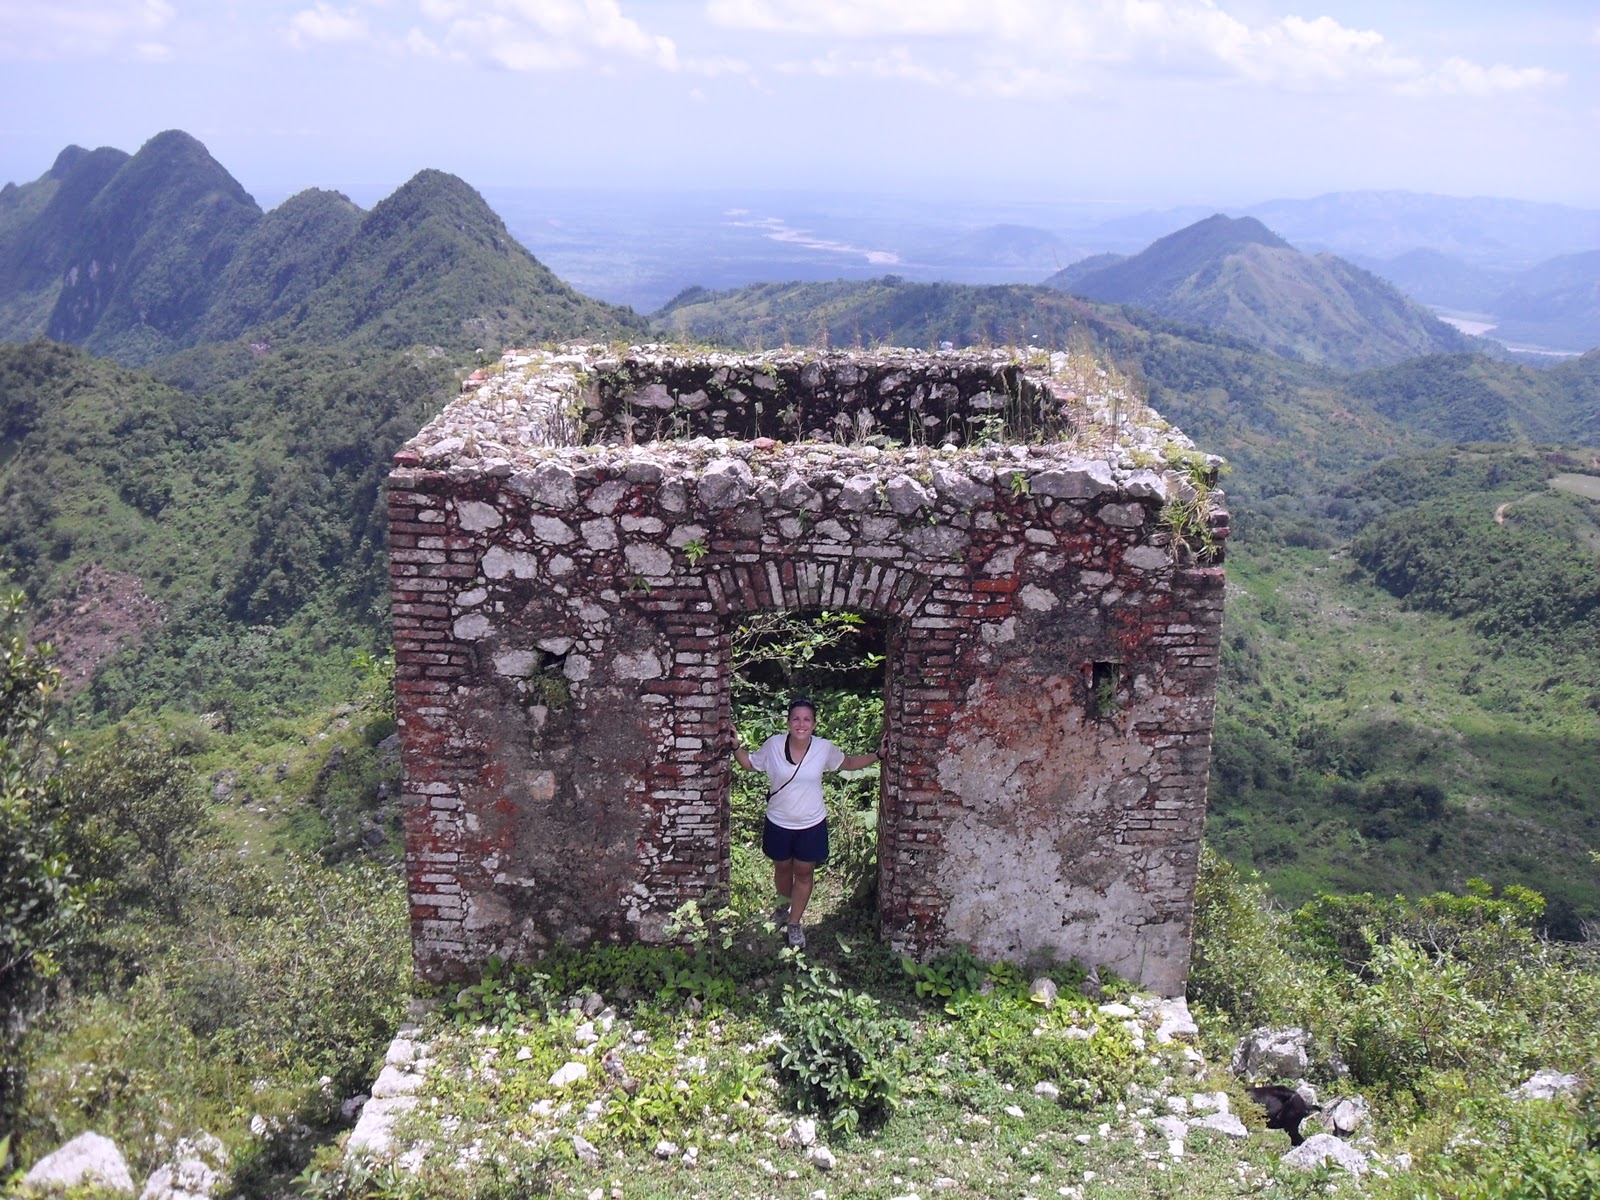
(783, 878)
(800, 877)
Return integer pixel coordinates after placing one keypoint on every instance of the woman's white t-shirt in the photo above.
(796, 803)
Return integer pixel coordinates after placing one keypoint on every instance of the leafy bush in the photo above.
(1023, 1043)
(39, 898)
(1242, 966)
(1529, 1150)
(839, 1053)
(137, 815)
(303, 973)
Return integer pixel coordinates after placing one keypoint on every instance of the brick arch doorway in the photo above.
(932, 622)
(838, 660)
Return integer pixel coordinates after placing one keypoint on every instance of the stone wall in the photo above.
(562, 616)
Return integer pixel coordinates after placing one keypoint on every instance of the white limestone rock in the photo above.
(392, 1082)
(1266, 1052)
(1345, 1115)
(1324, 1147)
(1203, 1102)
(1224, 1123)
(373, 1134)
(87, 1159)
(197, 1170)
(1547, 1085)
(568, 1074)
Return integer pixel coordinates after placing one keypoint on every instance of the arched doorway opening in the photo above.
(836, 659)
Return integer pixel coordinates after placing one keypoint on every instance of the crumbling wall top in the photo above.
(862, 412)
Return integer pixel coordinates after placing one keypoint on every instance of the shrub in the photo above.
(303, 973)
(1022, 1043)
(839, 1052)
(40, 900)
(138, 814)
(1242, 967)
(1532, 1150)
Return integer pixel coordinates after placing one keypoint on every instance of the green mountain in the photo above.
(1467, 397)
(1419, 707)
(139, 257)
(290, 253)
(236, 479)
(1287, 425)
(1238, 276)
(432, 263)
(39, 224)
(1556, 303)
(148, 249)
(1148, 278)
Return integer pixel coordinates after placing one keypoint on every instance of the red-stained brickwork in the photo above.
(562, 618)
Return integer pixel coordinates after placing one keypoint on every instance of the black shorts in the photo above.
(805, 845)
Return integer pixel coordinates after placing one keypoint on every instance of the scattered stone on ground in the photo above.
(196, 1170)
(1320, 1148)
(87, 1159)
(1547, 1085)
(1266, 1053)
(1346, 1114)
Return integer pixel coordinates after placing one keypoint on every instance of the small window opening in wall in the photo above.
(548, 685)
(835, 659)
(1105, 683)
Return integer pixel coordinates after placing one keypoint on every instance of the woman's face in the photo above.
(802, 721)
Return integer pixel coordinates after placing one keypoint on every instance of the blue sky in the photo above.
(1143, 101)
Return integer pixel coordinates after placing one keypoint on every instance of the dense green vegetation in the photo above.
(198, 901)
(139, 257)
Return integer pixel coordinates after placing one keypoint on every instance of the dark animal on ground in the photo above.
(1286, 1108)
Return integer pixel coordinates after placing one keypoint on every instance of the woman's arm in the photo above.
(854, 762)
(741, 755)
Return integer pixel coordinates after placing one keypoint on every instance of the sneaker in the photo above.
(797, 938)
(780, 915)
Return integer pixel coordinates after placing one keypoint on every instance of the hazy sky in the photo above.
(1149, 101)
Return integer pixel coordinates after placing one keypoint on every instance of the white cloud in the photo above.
(542, 35)
(80, 29)
(326, 24)
(893, 63)
(1458, 77)
(1016, 47)
(865, 18)
(717, 65)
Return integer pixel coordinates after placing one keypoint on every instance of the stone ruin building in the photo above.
(573, 540)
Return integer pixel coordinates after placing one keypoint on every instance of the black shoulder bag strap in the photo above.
(792, 774)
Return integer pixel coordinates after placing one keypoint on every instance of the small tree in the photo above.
(39, 898)
(139, 815)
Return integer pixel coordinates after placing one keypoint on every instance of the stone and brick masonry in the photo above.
(573, 540)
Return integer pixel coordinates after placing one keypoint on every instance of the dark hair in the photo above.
(802, 702)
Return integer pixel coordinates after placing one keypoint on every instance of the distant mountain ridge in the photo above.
(1279, 420)
(139, 256)
(1237, 275)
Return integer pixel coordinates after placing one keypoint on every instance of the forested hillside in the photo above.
(236, 479)
(1238, 276)
(139, 257)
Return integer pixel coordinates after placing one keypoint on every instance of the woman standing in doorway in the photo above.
(795, 835)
